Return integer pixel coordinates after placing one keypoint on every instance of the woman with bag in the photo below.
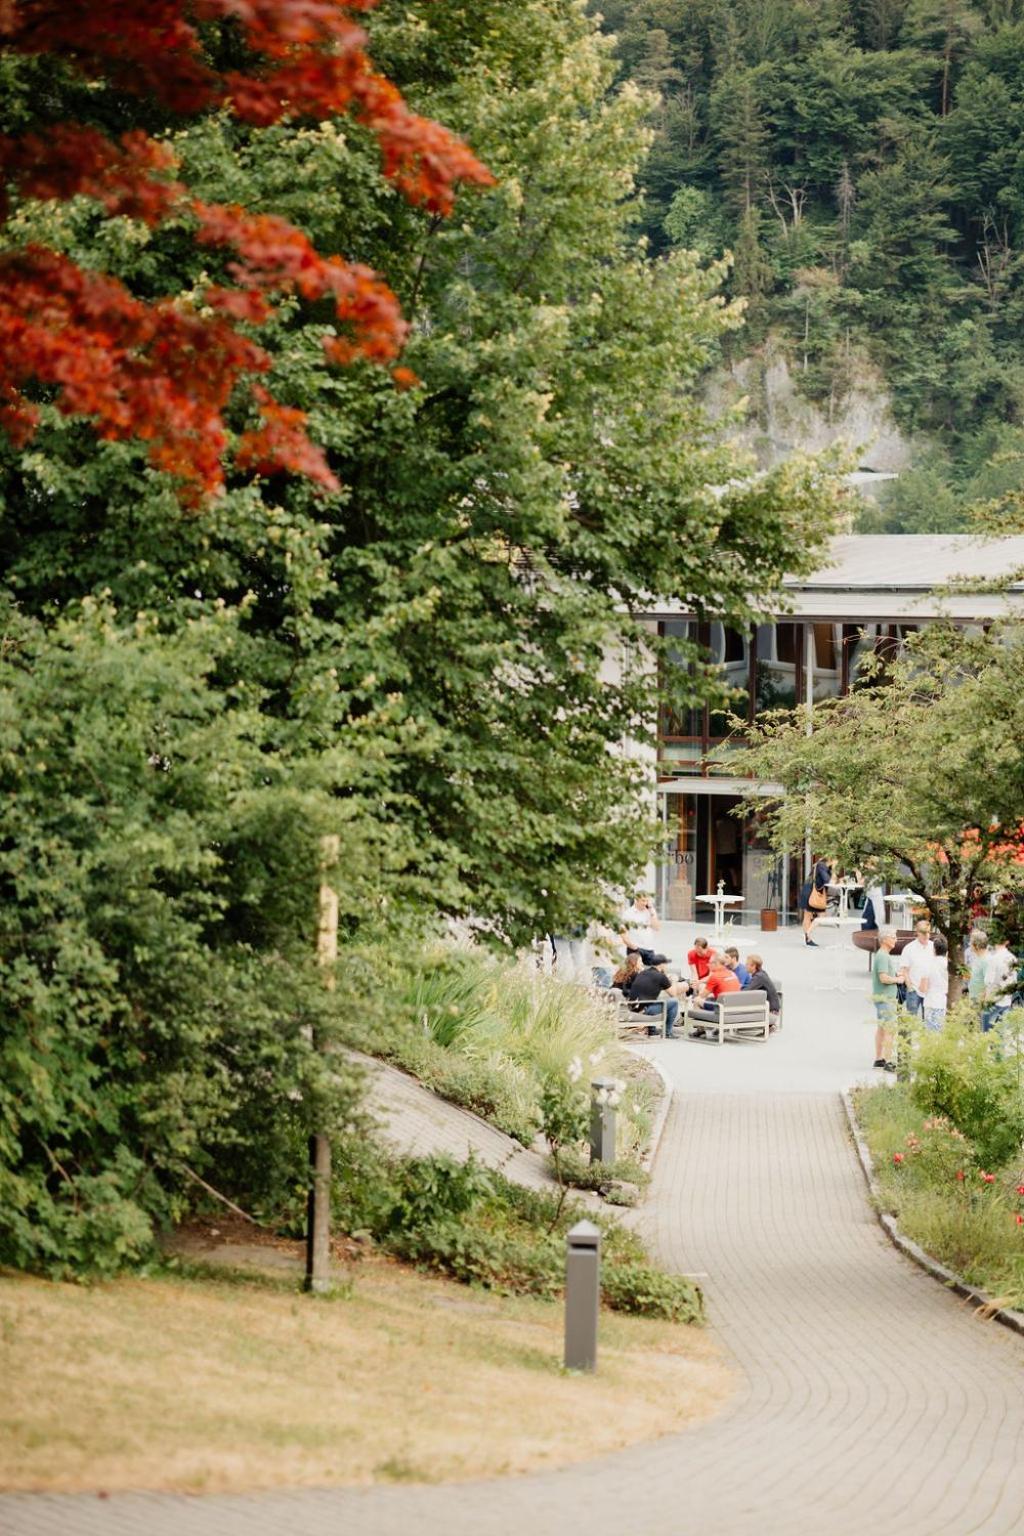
(814, 896)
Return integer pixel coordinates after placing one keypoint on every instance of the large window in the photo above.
(779, 665)
(730, 653)
(681, 726)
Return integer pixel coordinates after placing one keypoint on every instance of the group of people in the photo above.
(644, 979)
(919, 978)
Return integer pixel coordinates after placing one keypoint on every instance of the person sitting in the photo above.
(759, 981)
(645, 991)
(735, 964)
(699, 960)
(623, 978)
(719, 981)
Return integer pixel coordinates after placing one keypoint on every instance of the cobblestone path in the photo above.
(870, 1401)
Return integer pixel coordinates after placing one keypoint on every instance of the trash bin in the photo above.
(769, 920)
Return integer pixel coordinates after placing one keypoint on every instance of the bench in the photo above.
(741, 1014)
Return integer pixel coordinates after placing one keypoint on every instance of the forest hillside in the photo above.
(864, 162)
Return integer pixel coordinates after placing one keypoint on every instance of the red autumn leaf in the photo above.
(159, 371)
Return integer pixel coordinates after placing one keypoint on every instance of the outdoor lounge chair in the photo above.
(741, 1014)
(629, 1020)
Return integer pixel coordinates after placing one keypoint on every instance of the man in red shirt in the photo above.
(699, 960)
(720, 980)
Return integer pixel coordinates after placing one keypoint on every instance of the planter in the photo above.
(769, 920)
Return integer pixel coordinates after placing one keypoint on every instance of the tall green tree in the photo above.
(919, 771)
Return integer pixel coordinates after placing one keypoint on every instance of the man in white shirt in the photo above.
(639, 924)
(915, 963)
(936, 986)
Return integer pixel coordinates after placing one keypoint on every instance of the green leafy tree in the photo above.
(918, 771)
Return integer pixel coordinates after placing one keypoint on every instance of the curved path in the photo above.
(869, 1399)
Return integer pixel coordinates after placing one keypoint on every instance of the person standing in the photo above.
(934, 985)
(986, 980)
(640, 923)
(814, 897)
(915, 962)
(1004, 968)
(884, 980)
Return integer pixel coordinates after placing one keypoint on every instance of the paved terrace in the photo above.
(869, 1399)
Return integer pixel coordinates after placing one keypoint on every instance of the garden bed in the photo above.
(947, 1161)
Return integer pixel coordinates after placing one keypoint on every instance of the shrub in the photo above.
(650, 1292)
(474, 1225)
(966, 1076)
(942, 1192)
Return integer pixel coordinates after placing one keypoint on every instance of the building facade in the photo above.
(875, 591)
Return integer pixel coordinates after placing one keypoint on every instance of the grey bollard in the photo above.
(582, 1295)
(604, 1093)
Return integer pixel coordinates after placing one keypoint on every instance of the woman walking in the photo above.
(814, 896)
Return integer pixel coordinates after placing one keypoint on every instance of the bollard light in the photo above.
(582, 1295)
(604, 1100)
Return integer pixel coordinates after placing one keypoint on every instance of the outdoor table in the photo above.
(720, 902)
(844, 887)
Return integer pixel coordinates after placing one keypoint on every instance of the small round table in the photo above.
(720, 902)
(844, 887)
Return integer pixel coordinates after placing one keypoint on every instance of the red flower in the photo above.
(897, 1157)
(960, 1175)
(1019, 1219)
(987, 1178)
(1020, 1189)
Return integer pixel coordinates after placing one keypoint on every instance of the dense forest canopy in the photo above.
(864, 161)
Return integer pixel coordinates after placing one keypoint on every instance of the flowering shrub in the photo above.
(965, 1078)
(944, 1194)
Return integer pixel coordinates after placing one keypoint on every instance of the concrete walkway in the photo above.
(869, 1400)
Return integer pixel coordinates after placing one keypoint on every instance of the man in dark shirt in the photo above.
(760, 981)
(646, 988)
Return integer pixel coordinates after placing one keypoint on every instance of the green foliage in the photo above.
(965, 1075)
(880, 142)
(865, 782)
(514, 1045)
(478, 1228)
(650, 1292)
(414, 665)
(576, 1170)
(943, 1192)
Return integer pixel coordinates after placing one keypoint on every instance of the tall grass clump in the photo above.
(496, 1036)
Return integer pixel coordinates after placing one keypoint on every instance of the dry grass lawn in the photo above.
(207, 1385)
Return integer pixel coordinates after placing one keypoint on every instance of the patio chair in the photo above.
(744, 1015)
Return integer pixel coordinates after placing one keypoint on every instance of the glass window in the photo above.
(730, 652)
(828, 677)
(776, 666)
(679, 719)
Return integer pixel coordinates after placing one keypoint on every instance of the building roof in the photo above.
(887, 577)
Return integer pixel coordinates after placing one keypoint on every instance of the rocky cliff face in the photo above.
(780, 420)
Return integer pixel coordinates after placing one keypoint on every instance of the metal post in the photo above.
(318, 1207)
(582, 1295)
(604, 1099)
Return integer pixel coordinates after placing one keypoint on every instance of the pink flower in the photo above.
(1020, 1189)
(988, 1178)
(1019, 1219)
(897, 1157)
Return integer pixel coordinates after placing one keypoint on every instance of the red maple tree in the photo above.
(164, 371)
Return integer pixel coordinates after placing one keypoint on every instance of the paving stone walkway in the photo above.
(870, 1402)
